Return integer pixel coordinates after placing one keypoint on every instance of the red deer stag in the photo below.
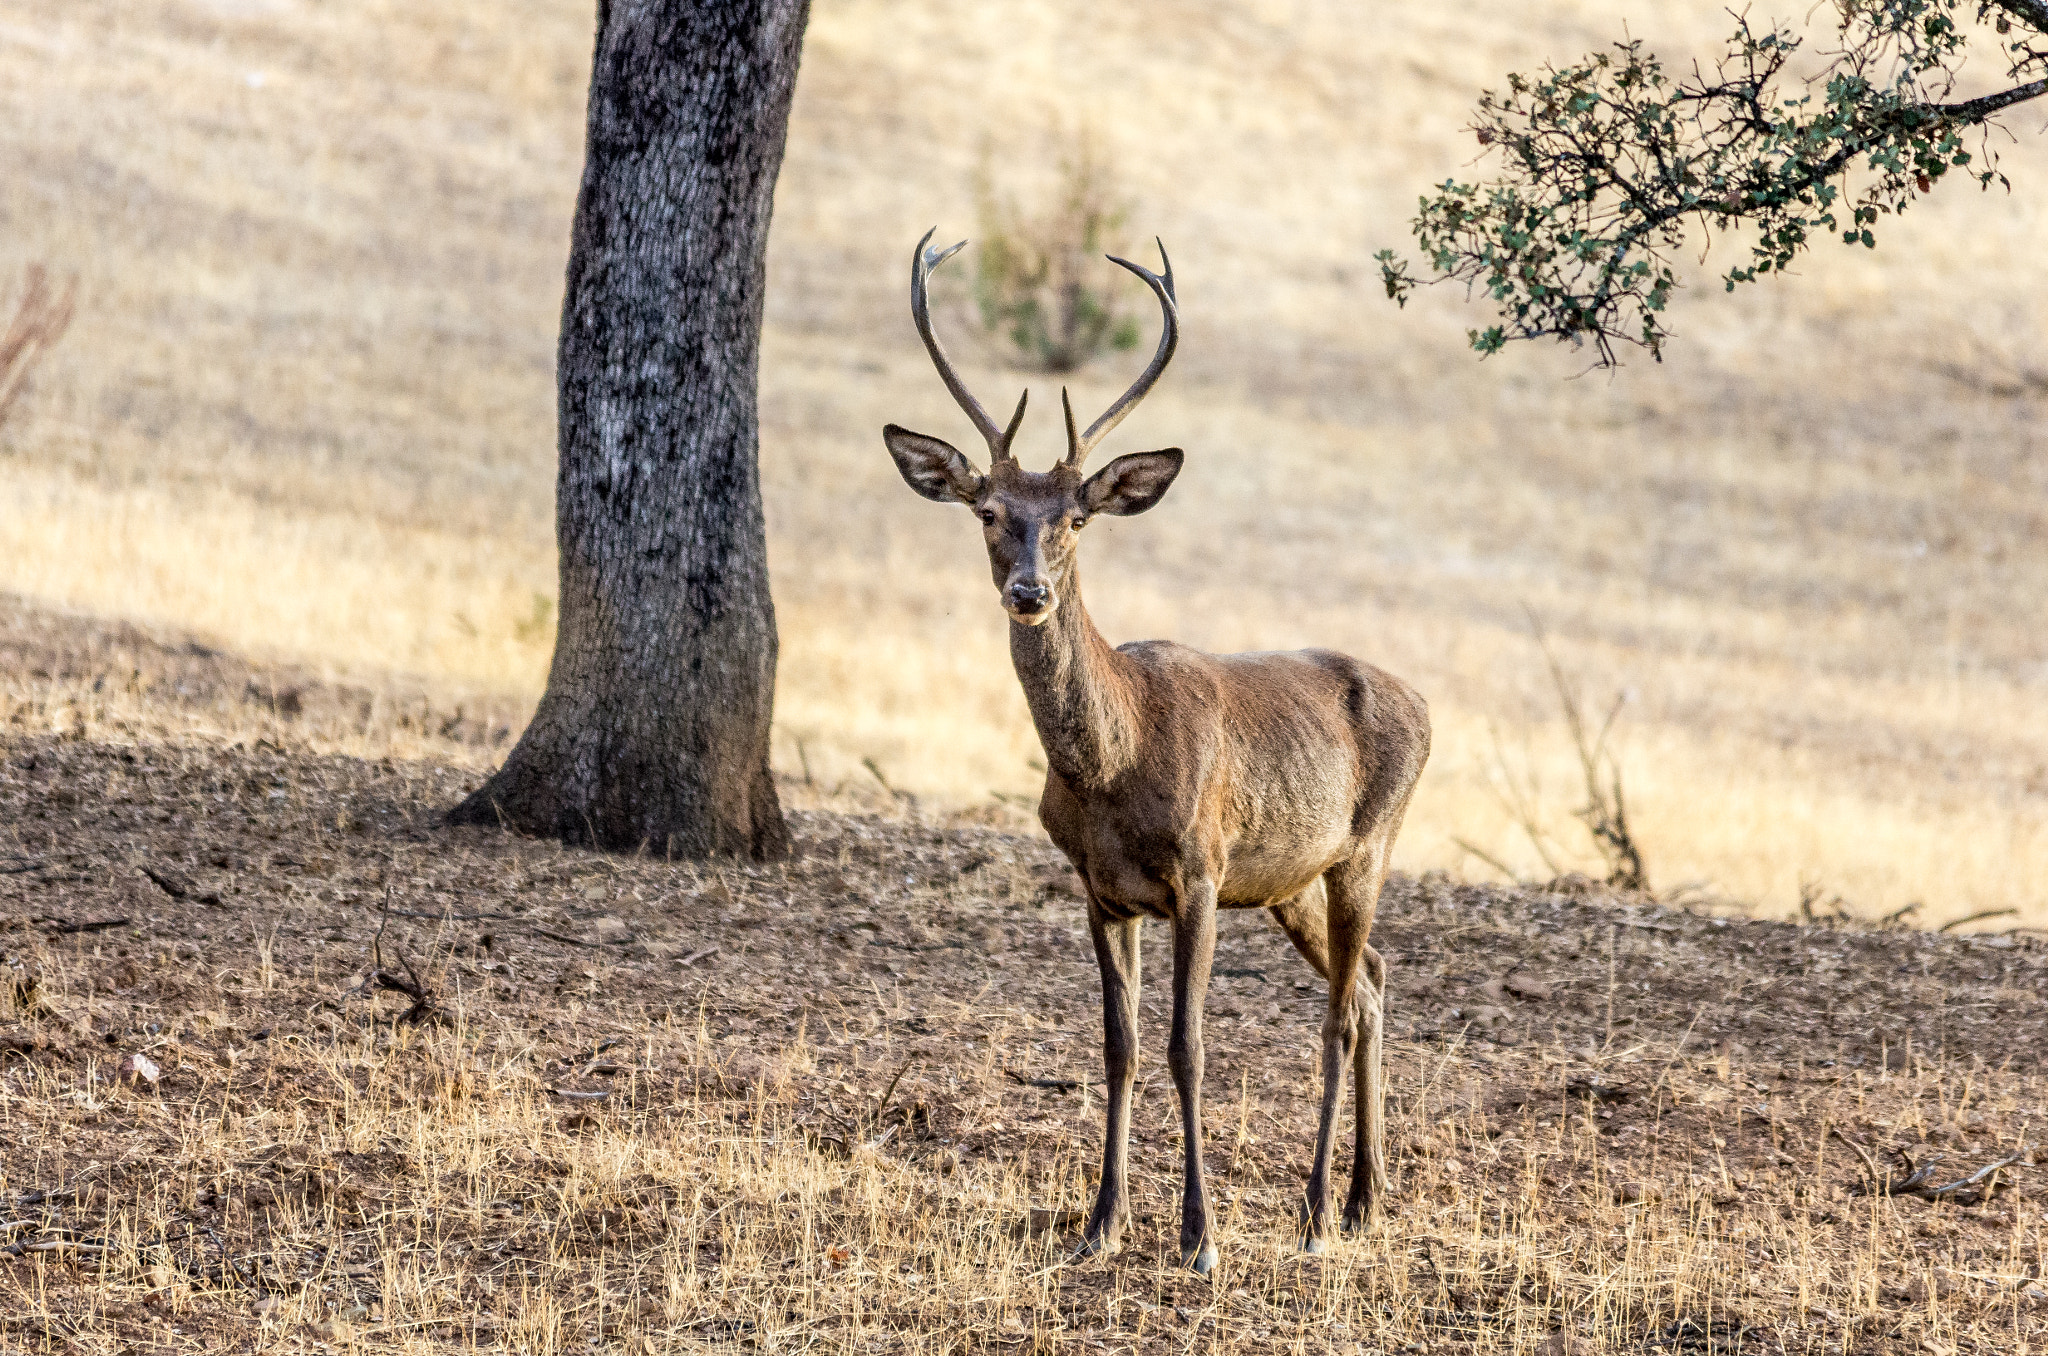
(1179, 782)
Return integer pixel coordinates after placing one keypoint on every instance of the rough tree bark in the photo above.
(654, 728)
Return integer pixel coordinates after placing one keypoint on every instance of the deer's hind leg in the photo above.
(1328, 923)
(1354, 897)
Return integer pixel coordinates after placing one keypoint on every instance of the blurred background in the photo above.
(305, 413)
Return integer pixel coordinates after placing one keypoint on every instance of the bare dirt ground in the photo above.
(426, 1089)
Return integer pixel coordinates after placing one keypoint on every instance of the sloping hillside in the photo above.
(415, 1089)
(305, 411)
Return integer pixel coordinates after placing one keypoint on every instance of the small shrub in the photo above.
(1029, 279)
(40, 318)
(1605, 813)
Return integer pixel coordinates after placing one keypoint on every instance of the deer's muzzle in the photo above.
(1029, 601)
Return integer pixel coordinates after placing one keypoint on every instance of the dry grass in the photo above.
(663, 1107)
(304, 411)
(298, 438)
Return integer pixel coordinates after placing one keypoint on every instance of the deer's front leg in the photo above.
(1116, 950)
(1194, 946)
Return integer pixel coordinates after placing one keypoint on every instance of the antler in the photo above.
(1079, 445)
(922, 262)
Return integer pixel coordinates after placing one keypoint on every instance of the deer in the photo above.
(1179, 783)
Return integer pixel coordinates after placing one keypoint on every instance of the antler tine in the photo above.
(922, 262)
(1078, 447)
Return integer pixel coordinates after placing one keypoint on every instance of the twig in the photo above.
(1613, 942)
(1487, 857)
(422, 1009)
(452, 917)
(578, 941)
(1869, 1164)
(40, 319)
(1605, 813)
(1809, 895)
(1517, 804)
(876, 772)
(177, 887)
(2010, 1160)
(890, 1091)
(377, 942)
(1977, 917)
(67, 929)
(227, 1258)
(1054, 1084)
(1919, 1180)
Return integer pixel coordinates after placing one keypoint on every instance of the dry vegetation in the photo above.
(304, 410)
(423, 1089)
(276, 517)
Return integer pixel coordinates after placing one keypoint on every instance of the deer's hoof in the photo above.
(1095, 1245)
(1360, 1219)
(1314, 1244)
(1201, 1261)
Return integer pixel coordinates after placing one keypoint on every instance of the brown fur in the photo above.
(1179, 782)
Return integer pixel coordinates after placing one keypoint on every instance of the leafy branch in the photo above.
(1610, 163)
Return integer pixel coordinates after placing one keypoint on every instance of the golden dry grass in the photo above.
(664, 1107)
(305, 410)
(397, 1191)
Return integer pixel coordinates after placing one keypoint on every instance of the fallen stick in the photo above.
(578, 941)
(69, 929)
(1919, 1181)
(177, 887)
(452, 917)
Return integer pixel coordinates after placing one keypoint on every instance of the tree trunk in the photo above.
(654, 728)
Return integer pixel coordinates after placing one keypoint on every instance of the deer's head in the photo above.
(1031, 520)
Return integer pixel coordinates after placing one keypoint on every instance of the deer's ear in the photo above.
(934, 468)
(1131, 484)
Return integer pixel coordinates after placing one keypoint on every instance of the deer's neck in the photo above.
(1080, 696)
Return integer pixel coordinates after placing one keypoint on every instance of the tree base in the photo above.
(675, 815)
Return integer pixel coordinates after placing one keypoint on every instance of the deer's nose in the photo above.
(1027, 597)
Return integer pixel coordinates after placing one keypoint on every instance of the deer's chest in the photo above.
(1131, 854)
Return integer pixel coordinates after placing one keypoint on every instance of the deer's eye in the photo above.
(987, 516)
(1079, 523)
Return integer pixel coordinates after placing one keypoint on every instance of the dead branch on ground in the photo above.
(1920, 1180)
(423, 1009)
